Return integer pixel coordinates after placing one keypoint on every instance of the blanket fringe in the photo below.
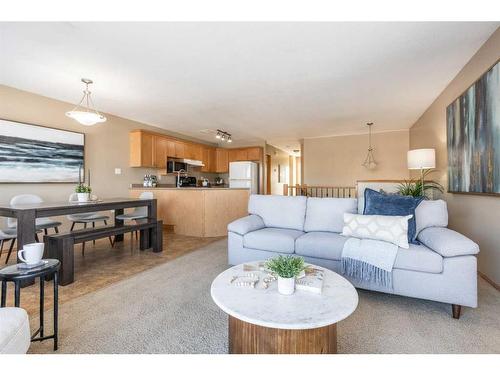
(366, 272)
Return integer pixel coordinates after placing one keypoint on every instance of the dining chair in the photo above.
(41, 223)
(138, 212)
(9, 234)
(86, 218)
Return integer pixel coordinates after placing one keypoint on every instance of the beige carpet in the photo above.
(168, 309)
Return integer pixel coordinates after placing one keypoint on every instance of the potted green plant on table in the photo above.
(287, 268)
(83, 192)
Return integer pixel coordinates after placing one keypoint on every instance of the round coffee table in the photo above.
(262, 321)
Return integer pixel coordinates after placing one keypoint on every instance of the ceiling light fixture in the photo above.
(224, 136)
(86, 114)
(369, 162)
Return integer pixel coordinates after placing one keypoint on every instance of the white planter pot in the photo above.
(83, 197)
(286, 285)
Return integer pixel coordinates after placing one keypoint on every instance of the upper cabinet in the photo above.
(180, 150)
(221, 160)
(245, 154)
(141, 149)
(151, 150)
(160, 150)
(254, 153)
(209, 159)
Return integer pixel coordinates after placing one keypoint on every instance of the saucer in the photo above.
(25, 266)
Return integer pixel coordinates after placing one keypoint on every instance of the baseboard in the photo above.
(489, 281)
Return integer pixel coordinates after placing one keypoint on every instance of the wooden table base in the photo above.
(247, 338)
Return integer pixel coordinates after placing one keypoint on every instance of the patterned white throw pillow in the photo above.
(393, 229)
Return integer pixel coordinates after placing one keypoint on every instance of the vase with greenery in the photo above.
(287, 268)
(418, 188)
(83, 192)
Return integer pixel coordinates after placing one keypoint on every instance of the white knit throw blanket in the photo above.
(369, 260)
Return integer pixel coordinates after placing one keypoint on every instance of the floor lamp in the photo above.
(423, 159)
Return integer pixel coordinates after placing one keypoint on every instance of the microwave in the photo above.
(174, 166)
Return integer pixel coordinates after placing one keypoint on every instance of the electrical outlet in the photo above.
(118, 171)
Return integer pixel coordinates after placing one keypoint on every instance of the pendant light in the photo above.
(369, 162)
(86, 114)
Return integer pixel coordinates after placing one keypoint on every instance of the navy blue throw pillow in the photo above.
(393, 205)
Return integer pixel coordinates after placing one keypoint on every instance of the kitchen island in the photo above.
(198, 211)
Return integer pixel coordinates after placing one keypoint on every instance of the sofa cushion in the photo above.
(324, 245)
(391, 204)
(447, 242)
(327, 214)
(279, 211)
(272, 239)
(431, 214)
(419, 258)
(14, 331)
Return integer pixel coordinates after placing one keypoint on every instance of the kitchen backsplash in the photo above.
(194, 172)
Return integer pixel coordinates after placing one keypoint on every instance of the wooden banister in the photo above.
(320, 191)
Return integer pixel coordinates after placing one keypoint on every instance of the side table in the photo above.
(17, 275)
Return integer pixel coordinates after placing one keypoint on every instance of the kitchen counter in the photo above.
(198, 211)
(137, 186)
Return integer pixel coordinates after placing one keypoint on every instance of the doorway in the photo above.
(268, 174)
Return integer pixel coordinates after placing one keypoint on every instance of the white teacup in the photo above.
(32, 253)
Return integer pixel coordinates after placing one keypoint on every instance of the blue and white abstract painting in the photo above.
(35, 154)
(473, 124)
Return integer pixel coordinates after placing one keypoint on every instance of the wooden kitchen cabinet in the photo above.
(197, 152)
(141, 149)
(231, 155)
(208, 160)
(221, 160)
(254, 154)
(180, 149)
(170, 148)
(151, 150)
(241, 154)
(160, 152)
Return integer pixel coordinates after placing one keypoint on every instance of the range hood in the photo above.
(194, 163)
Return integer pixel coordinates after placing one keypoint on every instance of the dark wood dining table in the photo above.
(26, 214)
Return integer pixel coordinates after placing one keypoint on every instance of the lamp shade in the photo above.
(423, 158)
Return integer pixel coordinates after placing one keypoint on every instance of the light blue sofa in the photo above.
(443, 268)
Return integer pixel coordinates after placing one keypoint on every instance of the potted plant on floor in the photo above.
(83, 192)
(287, 268)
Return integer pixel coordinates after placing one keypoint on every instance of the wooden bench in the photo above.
(61, 246)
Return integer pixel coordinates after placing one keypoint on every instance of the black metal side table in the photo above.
(16, 275)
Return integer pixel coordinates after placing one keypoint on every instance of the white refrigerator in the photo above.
(244, 174)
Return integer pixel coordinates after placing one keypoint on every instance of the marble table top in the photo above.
(268, 308)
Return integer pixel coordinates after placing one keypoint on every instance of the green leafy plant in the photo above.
(81, 188)
(414, 187)
(286, 266)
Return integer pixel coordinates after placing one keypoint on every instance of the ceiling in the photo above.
(278, 82)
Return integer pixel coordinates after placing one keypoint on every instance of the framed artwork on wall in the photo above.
(473, 137)
(37, 154)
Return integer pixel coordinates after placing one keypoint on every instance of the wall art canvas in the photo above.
(473, 132)
(36, 154)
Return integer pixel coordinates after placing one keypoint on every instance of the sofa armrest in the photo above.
(246, 224)
(447, 242)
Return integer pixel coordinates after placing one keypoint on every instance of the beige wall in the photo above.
(106, 146)
(475, 216)
(337, 161)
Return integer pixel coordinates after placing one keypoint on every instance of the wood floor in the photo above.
(103, 265)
